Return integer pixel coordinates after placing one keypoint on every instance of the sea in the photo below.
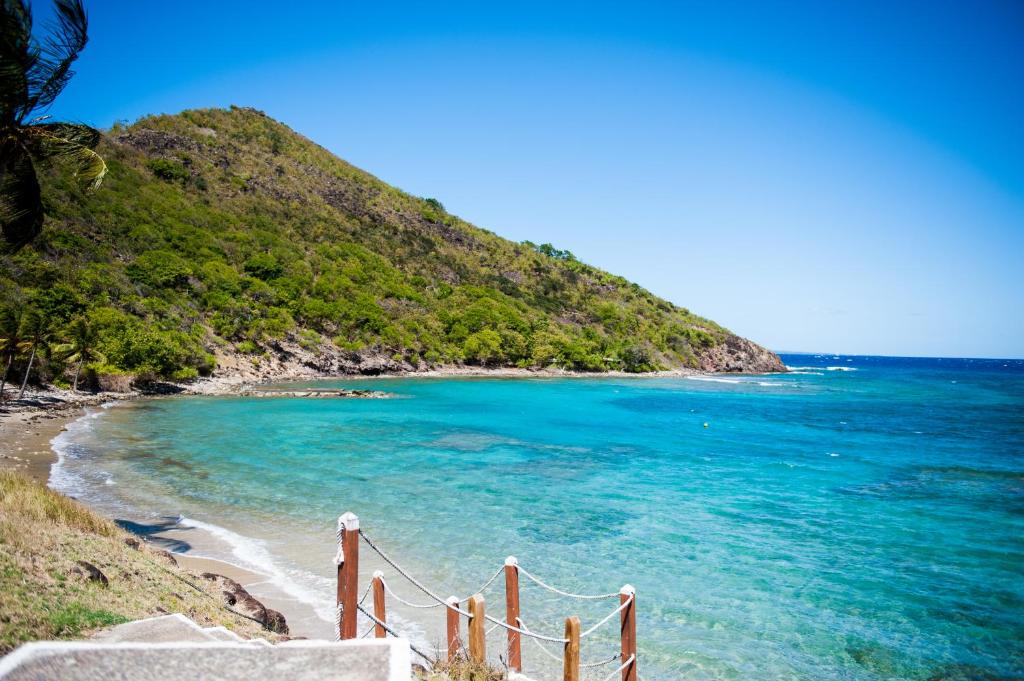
(858, 518)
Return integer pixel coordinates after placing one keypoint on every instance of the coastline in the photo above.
(29, 427)
(26, 447)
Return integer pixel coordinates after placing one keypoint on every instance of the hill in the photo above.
(222, 241)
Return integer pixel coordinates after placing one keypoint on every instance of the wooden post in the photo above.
(477, 635)
(378, 604)
(571, 661)
(627, 619)
(454, 642)
(348, 574)
(515, 654)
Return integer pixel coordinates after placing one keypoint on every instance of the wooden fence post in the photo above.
(571, 661)
(454, 642)
(627, 619)
(379, 610)
(348, 574)
(515, 653)
(477, 635)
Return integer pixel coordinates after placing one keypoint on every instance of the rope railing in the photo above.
(395, 634)
(475, 612)
(625, 665)
(567, 594)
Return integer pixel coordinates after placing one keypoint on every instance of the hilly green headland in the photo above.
(222, 242)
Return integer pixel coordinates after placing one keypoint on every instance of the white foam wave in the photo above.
(712, 379)
(252, 553)
(66, 446)
(840, 368)
(313, 590)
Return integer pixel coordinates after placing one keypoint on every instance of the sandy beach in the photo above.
(25, 438)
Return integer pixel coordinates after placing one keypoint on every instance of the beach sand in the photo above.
(25, 447)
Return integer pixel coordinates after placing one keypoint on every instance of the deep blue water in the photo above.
(858, 518)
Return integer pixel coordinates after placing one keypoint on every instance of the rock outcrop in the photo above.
(236, 597)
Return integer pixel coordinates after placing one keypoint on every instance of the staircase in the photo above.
(174, 648)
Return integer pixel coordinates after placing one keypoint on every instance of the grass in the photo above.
(42, 536)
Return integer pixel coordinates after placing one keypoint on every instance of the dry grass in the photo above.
(462, 669)
(42, 536)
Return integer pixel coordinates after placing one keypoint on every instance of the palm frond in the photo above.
(21, 210)
(69, 143)
(17, 57)
(68, 36)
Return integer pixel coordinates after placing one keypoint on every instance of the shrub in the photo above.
(168, 170)
(263, 266)
(160, 269)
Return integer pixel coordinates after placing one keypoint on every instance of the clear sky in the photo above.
(820, 176)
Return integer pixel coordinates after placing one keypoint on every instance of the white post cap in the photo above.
(348, 521)
(377, 574)
(627, 590)
(511, 560)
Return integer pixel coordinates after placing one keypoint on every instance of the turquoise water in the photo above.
(859, 522)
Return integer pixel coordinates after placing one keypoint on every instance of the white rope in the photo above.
(565, 593)
(484, 587)
(366, 593)
(395, 634)
(621, 667)
(491, 630)
(367, 632)
(449, 605)
(539, 644)
(591, 665)
(405, 602)
(610, 615)
(337, 622)
(412, 579)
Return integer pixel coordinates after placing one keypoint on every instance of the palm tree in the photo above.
(10, 338)
(32, 75)
(35, 331)
(81, 348)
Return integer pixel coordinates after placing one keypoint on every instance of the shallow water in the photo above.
(859, 518)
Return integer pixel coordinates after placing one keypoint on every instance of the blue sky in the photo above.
(835, 177)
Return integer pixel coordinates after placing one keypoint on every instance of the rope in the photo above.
(621, 667)
(412, 579)
(395, 634)
(367, 632)
(565, 593)
(540, 645)
(610, 615)
(405, 602)
(484, 587)
(591, 665)
(366, 593)
(440, 600)
(491, 630)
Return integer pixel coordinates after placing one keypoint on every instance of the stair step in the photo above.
(371, 660)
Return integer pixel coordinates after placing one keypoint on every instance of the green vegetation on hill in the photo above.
(223, 229)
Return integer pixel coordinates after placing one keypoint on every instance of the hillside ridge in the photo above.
(222, 242)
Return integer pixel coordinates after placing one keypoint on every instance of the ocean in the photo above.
(859, 518)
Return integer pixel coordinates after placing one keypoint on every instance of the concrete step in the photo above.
(164, 629)
(370, 660)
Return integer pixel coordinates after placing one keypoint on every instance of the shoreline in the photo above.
(28, 428)
(26, 447)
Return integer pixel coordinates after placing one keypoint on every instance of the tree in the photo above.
(35, 331)
(81, 348)
(32, 75)
(10, 338)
